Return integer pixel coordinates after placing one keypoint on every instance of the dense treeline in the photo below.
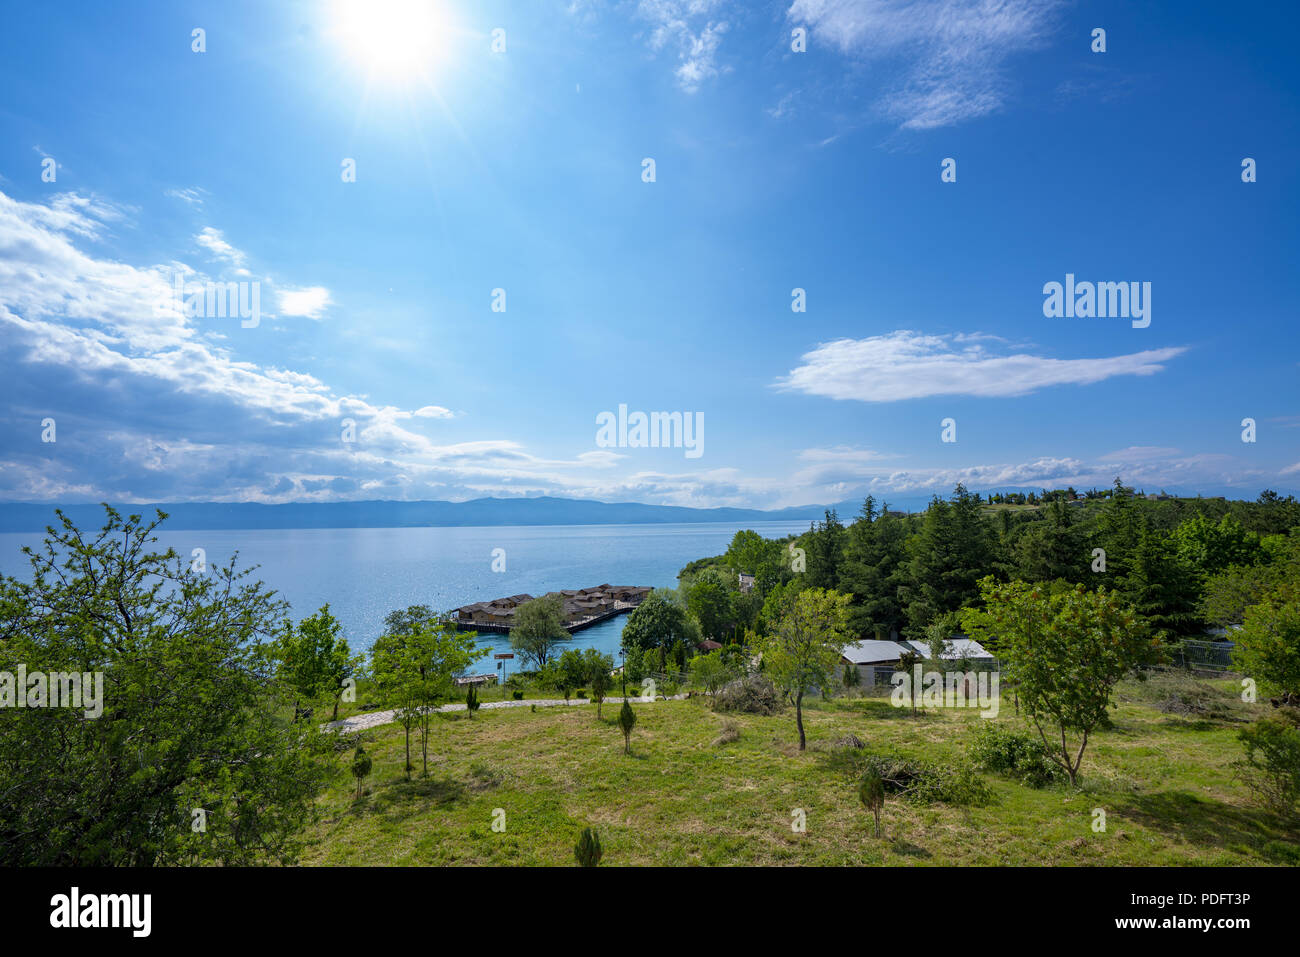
(1185, 565)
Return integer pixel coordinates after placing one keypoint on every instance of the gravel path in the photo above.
(372, 719)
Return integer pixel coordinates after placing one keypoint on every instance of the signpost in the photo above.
(501, 660)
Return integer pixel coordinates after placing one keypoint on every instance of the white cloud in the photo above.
(909, 365)
(191, 196)
(214, 242)
(432, 412)
(952, 52)
(153, 405)
(686, 26)
(310, 302)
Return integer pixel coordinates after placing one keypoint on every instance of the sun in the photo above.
(393, 40)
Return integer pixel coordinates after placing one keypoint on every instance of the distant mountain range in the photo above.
(29, 517)
(544, 510)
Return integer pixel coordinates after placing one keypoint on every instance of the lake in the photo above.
(364, 573)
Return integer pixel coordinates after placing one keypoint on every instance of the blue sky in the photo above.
(522, 170)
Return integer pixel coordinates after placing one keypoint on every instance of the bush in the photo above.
(730, 732)
(1271, 767)
(588, 851)
(916, 781)
(1198, 701)
(517, 695)
(753, 694)
(1015, 754)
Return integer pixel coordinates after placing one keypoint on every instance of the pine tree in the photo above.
(588, 852)
(626, 719)
(872, 793)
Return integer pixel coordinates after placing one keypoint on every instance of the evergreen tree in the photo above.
(825, 552)
(953, 551)
(588, 851)
(874, 568)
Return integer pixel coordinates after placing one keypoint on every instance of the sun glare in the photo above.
(394, 40)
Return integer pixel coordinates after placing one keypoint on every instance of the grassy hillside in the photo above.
(684, 797)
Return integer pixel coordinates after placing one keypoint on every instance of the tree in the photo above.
(1267, 646)
(361, 765)
(1210, 547)
(907, 661)
(598, 668)
(1161, 587)
(874, 568)
(710, 672)
(539, 629)
(1227, 595)
(626, 719)
(872, 794)
(806, 644)
(1271, 764)
(1120, 530)
(712, 603)
(825, 544)
(409, 620)
(181, 710)
(413, 671)
(570, 671)
(1067, 647)
(954, 549)
(658, 622)
(315, 660)
(753, 554)
(1052, 548)
(588, 850)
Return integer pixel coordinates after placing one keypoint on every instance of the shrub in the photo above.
(730, 732)
(626, 719)
(916, 781)
(753, 694)
(1271, 767)
(1013, 753)
(1198, 701)
(872, 794)
(361, 765)
(588, 851)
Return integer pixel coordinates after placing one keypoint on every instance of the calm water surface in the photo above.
(366, 572)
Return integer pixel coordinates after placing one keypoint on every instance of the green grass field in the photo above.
(683, 797)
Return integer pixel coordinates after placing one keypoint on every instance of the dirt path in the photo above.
(372, 719)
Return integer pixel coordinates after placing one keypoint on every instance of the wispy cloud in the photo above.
(952, 53)
(214, 242)
(909, 365)
(689, 28)
(191, 196)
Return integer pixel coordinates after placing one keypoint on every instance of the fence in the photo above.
(1192, 655)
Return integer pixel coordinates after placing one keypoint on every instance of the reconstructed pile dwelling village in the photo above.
(583, 608)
